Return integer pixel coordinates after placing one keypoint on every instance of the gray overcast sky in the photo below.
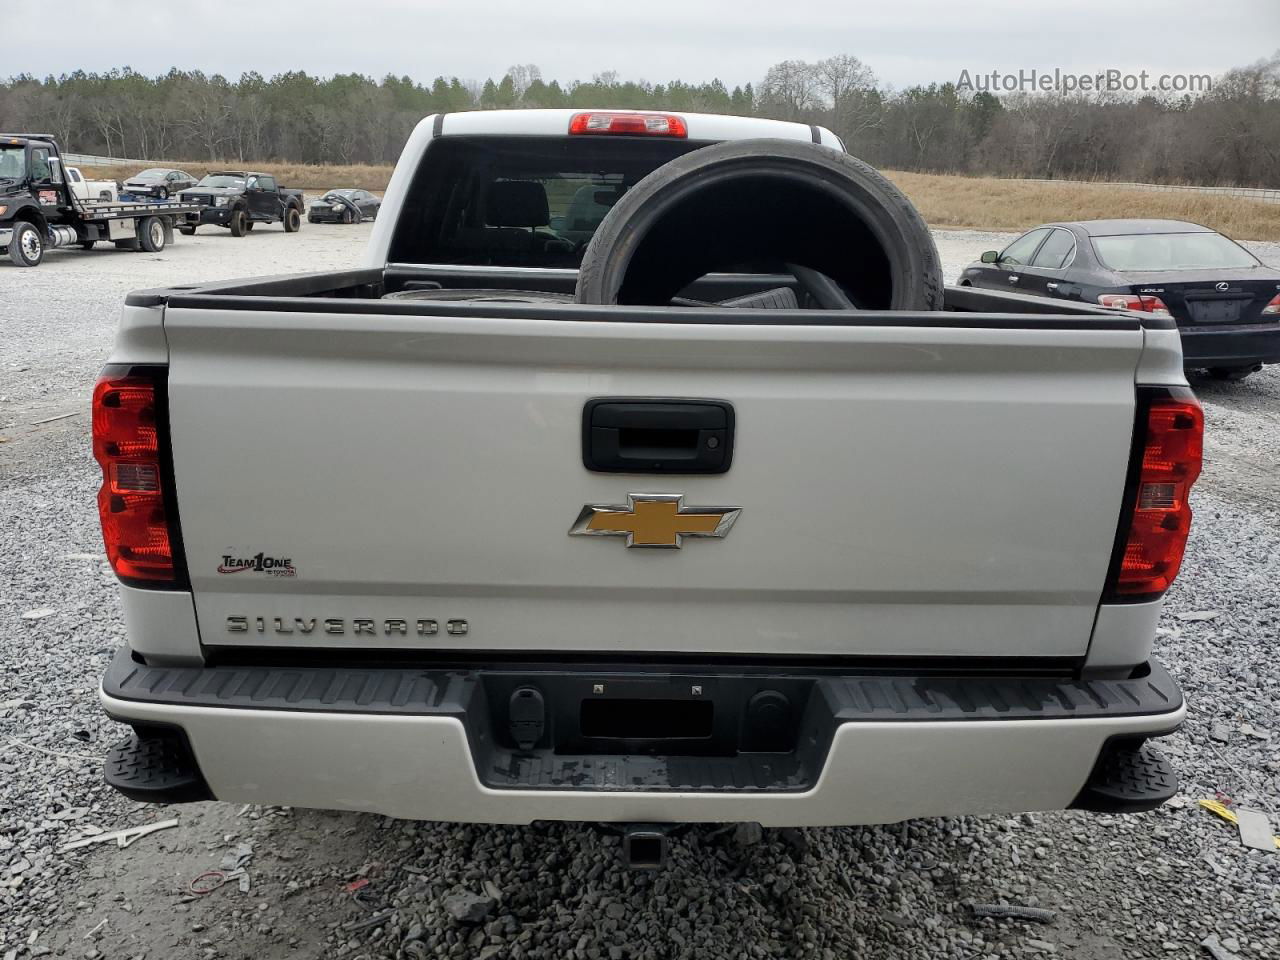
(904, 41)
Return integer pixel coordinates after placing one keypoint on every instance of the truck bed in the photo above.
(369, 285)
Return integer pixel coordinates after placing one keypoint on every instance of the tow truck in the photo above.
(39, 209)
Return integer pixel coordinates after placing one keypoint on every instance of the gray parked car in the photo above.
(158, 183)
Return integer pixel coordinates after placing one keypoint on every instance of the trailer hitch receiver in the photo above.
(645, 846)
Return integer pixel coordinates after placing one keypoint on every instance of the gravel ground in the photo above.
(343, 885)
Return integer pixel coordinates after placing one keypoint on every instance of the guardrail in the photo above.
(90, 160)
(1259, 194)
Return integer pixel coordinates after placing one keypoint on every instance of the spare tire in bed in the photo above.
(764, 206)
(480, 296)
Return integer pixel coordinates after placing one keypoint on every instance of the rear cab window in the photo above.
(520, 201)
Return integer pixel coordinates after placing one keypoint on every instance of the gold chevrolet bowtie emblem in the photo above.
(653, 520)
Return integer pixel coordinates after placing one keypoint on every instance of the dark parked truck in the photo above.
(645, 473)
(39, 208)
(237, 199)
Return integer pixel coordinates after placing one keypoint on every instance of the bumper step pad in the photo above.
(1128, 778)
(621, 746)
(156, 768)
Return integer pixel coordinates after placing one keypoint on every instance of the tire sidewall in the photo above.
(887, 213)
(237, 222)
(153, 230)
(16, 252)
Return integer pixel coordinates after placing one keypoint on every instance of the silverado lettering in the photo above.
(359, 625)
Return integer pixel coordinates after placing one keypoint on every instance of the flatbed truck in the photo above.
(39, 209)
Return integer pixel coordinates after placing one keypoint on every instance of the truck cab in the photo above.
(32, 179)
(34, 194)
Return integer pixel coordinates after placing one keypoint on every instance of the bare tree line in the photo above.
(1228, 135)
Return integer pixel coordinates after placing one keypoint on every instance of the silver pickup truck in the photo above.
(390, 543)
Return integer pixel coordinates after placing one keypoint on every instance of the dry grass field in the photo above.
(983, 203)
(989, 204)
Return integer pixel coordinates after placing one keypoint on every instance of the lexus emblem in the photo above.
(1223, 286)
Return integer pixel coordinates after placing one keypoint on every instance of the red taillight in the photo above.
(1161, 515)
(126, 444)
(1272, 307)
(642, 124)
(1131, 301)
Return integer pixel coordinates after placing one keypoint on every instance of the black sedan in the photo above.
(1225, 301)
(344, 206)
(158, 183)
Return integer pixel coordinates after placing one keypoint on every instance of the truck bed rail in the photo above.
(116, 209)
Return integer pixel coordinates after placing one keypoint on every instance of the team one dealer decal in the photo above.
(258, 563)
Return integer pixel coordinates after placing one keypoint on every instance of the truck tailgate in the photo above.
(382, 480)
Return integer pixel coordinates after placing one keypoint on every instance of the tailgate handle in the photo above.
(642, 435)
